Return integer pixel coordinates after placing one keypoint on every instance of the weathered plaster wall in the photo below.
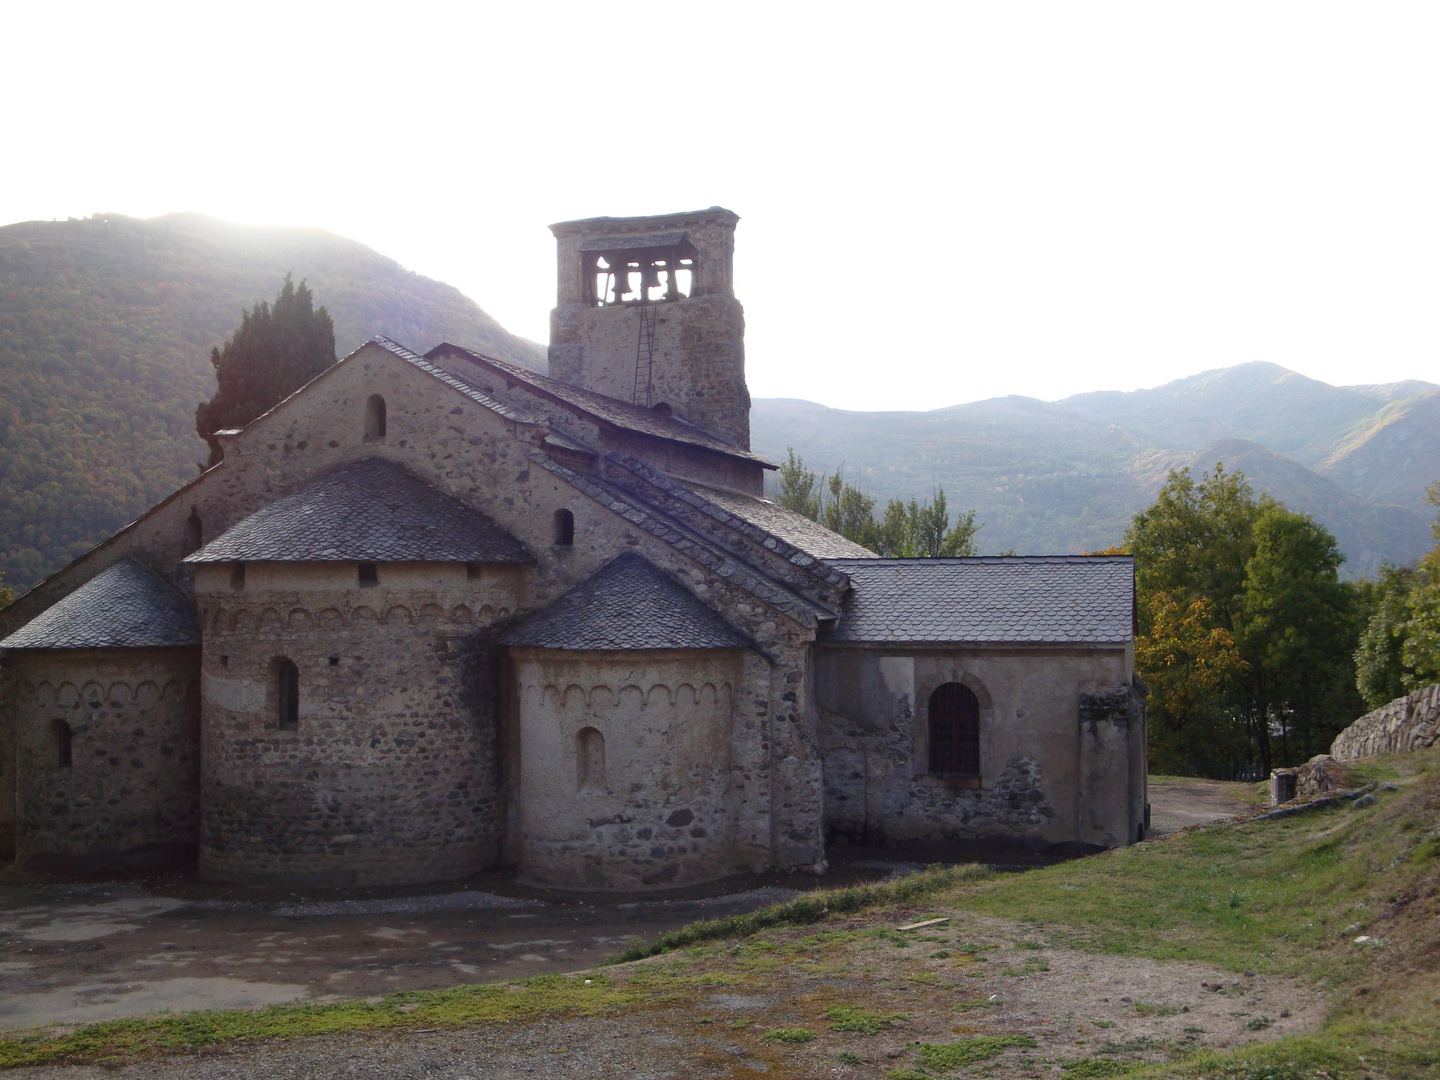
(875, 735)
(130, 794)
(661, 814)
(391, 776)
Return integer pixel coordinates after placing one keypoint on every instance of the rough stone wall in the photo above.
(131, 792)
(698, 365)
(7, 765)
(391, 776)
(660, 813)
(488, 461)
(1407, 723)
(875, 732)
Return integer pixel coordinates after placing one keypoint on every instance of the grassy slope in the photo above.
(1282, 897)
(106, 327)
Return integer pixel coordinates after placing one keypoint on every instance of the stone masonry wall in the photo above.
(489, 461)
(659, 812)
(391, 776)
(130, 796)
(875, 732)
(697, 368)
(1407, 723)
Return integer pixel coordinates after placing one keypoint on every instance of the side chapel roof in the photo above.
(1049, 599)
(626, 604)
(371, 511)
(125, 606)
(608, 410)
(795, 529)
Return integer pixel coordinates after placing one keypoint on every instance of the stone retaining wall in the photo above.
(1407, 723)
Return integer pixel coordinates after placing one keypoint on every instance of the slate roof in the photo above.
(371, 511)
(125, 606)
(1044, 599)
(795, 529)
(612, 411)
(626, 604)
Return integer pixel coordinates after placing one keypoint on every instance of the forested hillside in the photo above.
(1068, 475)
(106, 326)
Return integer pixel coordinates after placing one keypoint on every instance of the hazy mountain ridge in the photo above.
(106, 326)
(1067, 475)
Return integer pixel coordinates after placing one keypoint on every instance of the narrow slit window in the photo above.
(287, 697)
(369, 575)
(564, 528)
(374, 418)
(194, 532)
(237, 576)
(64, 737)
(955, 731)
(590, 750)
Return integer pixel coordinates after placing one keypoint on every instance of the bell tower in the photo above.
(646, 312)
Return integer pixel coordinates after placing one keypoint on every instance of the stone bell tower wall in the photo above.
(697, 364)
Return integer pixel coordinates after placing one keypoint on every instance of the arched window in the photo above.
(564, 528)
(375, 418)
(955, 731)
(237, 575)
(64, 737)
(194, 532)
(591, 754)
(662, 408)
(287, 694)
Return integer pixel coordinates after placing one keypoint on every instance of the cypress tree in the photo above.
(275, 351)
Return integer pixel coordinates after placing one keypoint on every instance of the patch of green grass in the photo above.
(866, 1022)
(1145, 1008)
(1094, 1067)
(547, 995)
(847, 1057)
(941, 955)
(943, 1057)
(810, 908)
(790, 1035)
(907, 1074)
(1103, 1023)
(1259, 1023)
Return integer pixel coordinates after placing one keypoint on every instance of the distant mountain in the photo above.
(1068, 475)
(106, 327)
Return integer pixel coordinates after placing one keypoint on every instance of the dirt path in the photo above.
(1177, 802)
(863, 1001)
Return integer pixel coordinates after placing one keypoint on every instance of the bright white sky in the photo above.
(939, 202)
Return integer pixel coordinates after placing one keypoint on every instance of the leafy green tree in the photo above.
(1188, 663)
(273, 353)
(912, 530)
(5, 596)
(1421, 651)
(917, 530)
(1269, 579)
(799, 489)
(850, 512)
(1297, 634)
(1196, 540)
(1381, 673)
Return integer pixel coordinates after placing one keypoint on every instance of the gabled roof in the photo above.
(626, 604)
(1038, 600)
(609, 411)
(125, 606)
(371, 511)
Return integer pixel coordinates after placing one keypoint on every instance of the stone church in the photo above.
(434, 614)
